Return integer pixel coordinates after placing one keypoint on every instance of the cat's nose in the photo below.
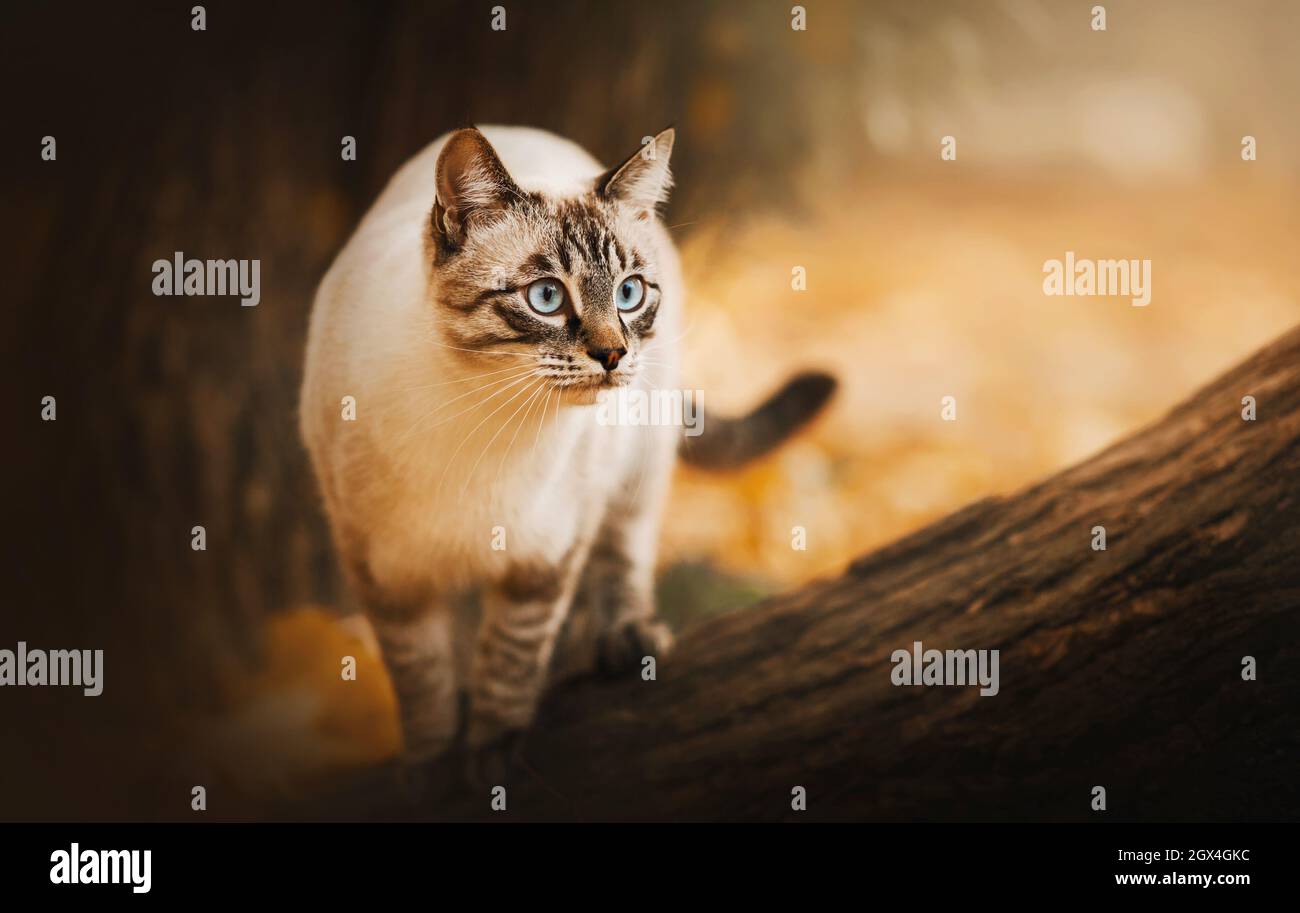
(608, 358)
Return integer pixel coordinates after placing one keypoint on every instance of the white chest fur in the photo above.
(428, 480)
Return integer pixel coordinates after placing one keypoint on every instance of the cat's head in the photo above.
(568, 285)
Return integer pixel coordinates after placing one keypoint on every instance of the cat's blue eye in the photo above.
(545, 296)
(630, 293)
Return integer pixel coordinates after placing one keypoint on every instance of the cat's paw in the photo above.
(627, 643)
(489, 765)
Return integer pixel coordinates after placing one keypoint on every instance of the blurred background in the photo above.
(817, 149)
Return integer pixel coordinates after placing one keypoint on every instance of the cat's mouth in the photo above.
(603, 381)
(585, 390)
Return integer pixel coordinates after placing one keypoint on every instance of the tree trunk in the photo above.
(1120, 668)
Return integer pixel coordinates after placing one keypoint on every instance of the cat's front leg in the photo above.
(521, 620)
(417, 651)
(614, 625)
(622, 586)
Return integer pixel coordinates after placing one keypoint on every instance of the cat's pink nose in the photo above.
(608, 358)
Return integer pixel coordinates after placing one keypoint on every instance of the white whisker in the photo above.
(542, 421)
(472, 432)
(526, 392)
(460, 380)
(509, 382)
(484, 351)
(532, 390)
(532, 401)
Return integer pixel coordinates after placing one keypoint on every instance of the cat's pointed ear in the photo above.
(471, 182)
(643, 181)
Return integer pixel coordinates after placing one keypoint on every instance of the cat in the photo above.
(500, 283)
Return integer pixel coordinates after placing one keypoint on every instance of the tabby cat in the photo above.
(457, 347)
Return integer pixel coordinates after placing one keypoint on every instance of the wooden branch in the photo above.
(1118, 668)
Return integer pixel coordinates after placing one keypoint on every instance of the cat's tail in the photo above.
(727, 443)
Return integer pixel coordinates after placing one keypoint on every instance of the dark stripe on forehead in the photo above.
(598, 243)
(577, 235)
(584, 238)
(568, 243)
(585, 230)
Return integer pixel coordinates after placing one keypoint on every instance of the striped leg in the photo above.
(521, 621)
(418, 654)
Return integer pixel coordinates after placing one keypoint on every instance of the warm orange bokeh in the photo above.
(932, 286)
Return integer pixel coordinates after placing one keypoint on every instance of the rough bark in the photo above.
(1119, 668)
